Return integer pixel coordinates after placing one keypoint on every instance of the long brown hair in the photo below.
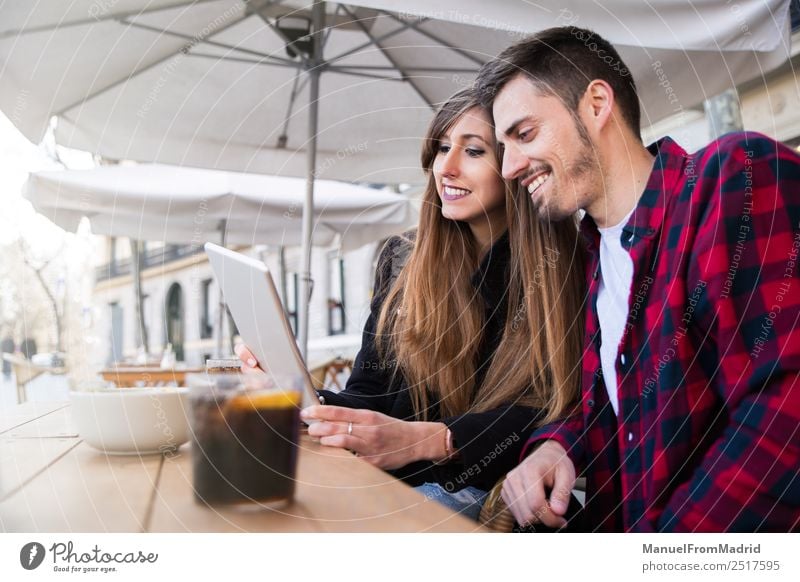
(432, 319)
(540, 353)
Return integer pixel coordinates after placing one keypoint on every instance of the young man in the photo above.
(690, 403)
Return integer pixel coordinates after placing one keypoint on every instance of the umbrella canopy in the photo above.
(190, 205)
(186, 205)
(268, 85)
(210, 84)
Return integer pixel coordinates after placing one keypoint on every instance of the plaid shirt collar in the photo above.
(648, 218)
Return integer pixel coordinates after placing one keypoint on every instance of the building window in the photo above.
(206, 311)
(336, 314)
(117, 345)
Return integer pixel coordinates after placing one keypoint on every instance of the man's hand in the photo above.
(524, 489)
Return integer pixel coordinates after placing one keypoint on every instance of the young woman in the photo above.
(459, 359)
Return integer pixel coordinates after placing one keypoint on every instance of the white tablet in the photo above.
(254, 303)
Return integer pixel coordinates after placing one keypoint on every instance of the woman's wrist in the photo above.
(436, 442)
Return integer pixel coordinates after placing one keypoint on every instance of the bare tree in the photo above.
(38, 270)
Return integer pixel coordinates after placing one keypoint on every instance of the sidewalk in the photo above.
(42, 389)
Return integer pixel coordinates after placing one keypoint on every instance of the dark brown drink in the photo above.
(244, 446)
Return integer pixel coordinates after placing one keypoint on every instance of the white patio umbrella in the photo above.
(192, 206)
(213, 83)
(209, 83)
(185, 205)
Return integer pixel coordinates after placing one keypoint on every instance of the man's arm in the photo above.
(567, 433)
(748, 479)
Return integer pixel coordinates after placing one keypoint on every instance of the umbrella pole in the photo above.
(221, 310)
(136, 260)
(318, 24)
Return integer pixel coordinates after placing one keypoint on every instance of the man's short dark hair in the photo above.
(561, 62)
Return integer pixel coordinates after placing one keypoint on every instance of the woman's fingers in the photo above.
(249, 362)
(245, 355)
(342, 441)
(335, 414)
(324, 428)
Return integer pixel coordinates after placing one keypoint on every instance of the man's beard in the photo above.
(547, 208)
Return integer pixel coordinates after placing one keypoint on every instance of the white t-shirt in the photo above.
(616, 276)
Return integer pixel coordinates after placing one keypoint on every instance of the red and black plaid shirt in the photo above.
(708, 369)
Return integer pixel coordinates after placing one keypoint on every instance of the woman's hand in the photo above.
(383, 441)
(249, 362)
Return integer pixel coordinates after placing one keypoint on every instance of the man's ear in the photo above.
(597, 104)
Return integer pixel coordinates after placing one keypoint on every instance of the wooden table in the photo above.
(127, 376)
(50, 481)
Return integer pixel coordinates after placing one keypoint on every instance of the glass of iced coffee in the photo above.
(244, 439)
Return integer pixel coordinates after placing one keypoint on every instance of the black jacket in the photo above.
(490, 442)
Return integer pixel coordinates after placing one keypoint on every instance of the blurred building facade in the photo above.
(768, 105)
(181, 300)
